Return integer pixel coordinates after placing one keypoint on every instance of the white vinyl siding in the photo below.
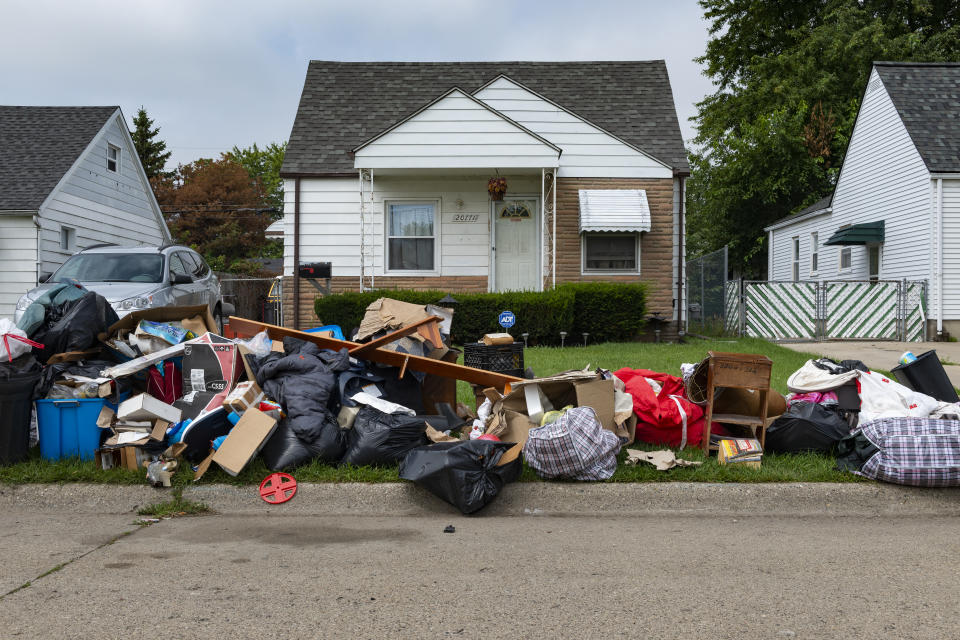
(780, 257)
(330, 220)
(951, 249)
(456, 132)
(18, 260)
(588, 151)
(884, 178)
(101, 205)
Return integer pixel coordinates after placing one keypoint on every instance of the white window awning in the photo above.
(614, 210)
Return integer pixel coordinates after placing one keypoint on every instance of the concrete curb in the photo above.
(534, 498)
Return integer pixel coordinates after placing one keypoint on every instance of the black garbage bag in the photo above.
(285, 449)
(465, 474)
(379, 438)
(74, 325)
(17, 380)
(806, 426)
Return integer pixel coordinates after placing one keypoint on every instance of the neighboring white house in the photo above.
(895, 211)
(70, 178)
(387, 168)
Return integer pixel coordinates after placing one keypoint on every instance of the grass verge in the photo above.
(544, 361)
(176, 506)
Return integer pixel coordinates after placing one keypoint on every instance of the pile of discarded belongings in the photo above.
(877, 427)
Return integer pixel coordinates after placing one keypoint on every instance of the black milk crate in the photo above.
(502, 358)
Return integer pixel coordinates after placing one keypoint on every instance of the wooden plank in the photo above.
(402, 332)
(246, 327)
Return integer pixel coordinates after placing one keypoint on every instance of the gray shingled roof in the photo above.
(38, 145)
(343, 104)
(927, 97)
(819, 205)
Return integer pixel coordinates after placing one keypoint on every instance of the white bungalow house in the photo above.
(895, 211)
(387, 169)
(70, 178)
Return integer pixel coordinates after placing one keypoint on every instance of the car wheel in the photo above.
(218, 318)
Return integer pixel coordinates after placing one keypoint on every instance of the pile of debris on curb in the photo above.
(161, 391)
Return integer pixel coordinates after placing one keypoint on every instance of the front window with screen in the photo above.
(411, 236)
(610, 252)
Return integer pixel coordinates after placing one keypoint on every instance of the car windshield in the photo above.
(111, 267)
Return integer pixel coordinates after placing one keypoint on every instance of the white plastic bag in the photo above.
(16, 347)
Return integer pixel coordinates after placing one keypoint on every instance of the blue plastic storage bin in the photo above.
(68, 428)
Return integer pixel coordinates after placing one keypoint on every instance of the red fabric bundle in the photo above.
(667, 417)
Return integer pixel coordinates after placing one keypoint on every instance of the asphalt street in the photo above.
(261, 575)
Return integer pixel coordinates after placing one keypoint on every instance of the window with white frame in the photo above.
(814, 253)
(846, 257)
(411, 236)
(796, 258)
(68, 239)
(113, 158)
(611, 252)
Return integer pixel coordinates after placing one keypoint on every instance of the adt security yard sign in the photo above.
(507, 319)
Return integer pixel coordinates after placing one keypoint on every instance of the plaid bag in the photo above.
(921, 452)
(574, 446)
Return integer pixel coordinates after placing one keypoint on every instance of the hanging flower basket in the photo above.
(496, 187)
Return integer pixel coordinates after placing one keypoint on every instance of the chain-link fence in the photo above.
(707, 294)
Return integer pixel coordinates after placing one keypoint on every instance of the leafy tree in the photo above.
(264, 165)
(215, 207)
(152, 152)
(788, 79)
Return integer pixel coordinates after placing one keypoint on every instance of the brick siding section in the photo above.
(656, 245)
(308, 293)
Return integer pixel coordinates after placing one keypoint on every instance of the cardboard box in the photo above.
(511, 413)
(244, 441)
(244, 396)
(146, 407)
(129, 457)
(211, 363)
(129, 322)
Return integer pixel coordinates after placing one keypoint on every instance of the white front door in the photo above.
(516, 247)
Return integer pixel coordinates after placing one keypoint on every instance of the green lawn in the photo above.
(544, 361)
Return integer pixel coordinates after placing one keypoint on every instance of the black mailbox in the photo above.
(315, 270)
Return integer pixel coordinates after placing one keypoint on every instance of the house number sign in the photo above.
(466, 217)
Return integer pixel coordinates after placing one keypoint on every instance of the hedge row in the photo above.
(609, 312)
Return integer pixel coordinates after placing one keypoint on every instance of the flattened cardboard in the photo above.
(146, 407)
(277, 345)
(244, 441)
(203, 466)
(159, 430)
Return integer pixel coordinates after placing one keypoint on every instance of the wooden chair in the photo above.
(738, 371)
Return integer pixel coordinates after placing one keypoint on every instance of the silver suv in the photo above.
(135, 278)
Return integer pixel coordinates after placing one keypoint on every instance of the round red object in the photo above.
(277, 488)
(489, 436)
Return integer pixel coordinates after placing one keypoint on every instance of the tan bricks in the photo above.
(656, 245)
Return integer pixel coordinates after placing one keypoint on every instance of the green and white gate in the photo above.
(834, 310)
(780, 310)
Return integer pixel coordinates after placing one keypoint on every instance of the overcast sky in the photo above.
(217, 74)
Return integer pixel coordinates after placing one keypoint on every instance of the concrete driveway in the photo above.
(884, 355)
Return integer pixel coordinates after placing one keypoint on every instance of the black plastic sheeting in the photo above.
(464, 473)
(74, 325)
(379, 438)
(806, 426)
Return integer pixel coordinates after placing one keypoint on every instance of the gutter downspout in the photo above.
(553, 217)
(681, 240)
(939, 258)
(296, 253)
(36, 223)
